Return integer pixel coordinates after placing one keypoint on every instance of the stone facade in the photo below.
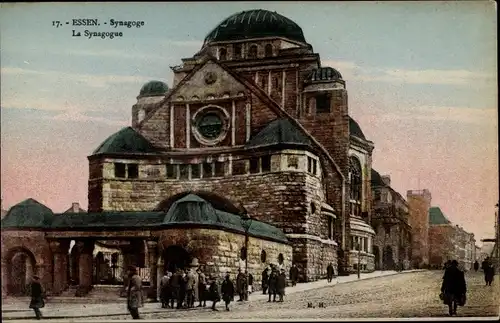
(419, 203)
(390, 219)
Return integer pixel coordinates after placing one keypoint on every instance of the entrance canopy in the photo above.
(190, 211)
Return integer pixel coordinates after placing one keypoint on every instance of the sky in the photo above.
(421, 77)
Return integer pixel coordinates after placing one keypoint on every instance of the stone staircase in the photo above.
(98, 294)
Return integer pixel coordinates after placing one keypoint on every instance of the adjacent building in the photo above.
(390, 220)
(449, 242)
(419, 203)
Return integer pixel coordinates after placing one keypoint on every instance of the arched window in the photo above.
(281, 259)
(263, 256)
(237, 51)
(222, 54)
(268, 50)
(252, 52)
(355, 179)
(243, 253)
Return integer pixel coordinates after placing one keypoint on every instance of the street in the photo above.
(395, 296)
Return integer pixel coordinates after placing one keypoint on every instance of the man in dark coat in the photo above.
(227, 290)
(241, 288)
(202, 288)
(135, 299)
(36, 292)
(181, 297)
(175, 285)
(294, 274)
(213, 291)
(265, 280)
(329, 272)
(165, 290)
(272, 284)
(454, 287)
(250, 284)
(485, 266)
(280, 285)
(476, 265)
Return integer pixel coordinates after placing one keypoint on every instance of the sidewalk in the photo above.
(19, 310)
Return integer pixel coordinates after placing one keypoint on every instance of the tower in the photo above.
(419, 203)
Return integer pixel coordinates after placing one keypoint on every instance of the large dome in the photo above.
(255, 24)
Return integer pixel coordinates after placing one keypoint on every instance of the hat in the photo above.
(36, 277)
(194, 263)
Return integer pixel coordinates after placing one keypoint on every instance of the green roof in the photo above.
(324, 74)
(153, 88)
(255, 24)
(189, 210)
(126, 140)
(28, 214)
(355, 129)
(280, 131)
(436, 216)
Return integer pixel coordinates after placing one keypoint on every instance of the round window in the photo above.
(210, 126)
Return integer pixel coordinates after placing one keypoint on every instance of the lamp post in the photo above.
(246, 222)
(358, 246)
(497, 218)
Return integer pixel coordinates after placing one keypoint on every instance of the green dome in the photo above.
(28, 214)
(255, 24)
(355, 129)
(153, 88)
(125, 141)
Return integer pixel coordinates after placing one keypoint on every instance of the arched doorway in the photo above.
(176, 257)
(376, 253)
(21, 268)
(388, 259)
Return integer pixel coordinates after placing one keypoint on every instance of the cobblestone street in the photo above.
(402, 295)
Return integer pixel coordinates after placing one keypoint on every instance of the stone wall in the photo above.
(367, 260)
(219, 251)
(33, 243)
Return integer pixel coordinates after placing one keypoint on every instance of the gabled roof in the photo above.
(436, 216)
(280, 131)
(125, 141)
(28, 214)
(377, 179)
(257, 91)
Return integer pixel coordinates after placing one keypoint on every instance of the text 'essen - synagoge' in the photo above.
(253, 124)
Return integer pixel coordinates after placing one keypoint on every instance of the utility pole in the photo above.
(497, 224)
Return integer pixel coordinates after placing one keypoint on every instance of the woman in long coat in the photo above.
(454, 287)
(37, 295)
(135, 298)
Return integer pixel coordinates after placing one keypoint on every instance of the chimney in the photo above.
(75, 207)
(386, 179)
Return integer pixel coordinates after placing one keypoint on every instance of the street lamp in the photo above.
(246, 222)
(358, 246)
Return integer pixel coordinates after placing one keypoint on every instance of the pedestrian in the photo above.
(476, 265)
(490, 273)
(213, 291)
(181, 297)
(281, 284)
(250, 284)
(227, 290)
(329, 272)
(165, 289)
(453, 288)
(294, 274)
(272, 285)
(265, 280)
(191, 287)
(134, 293)
(241, 285)
(37, 297)
(485, 266)
(175, 283)
(202, 288)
